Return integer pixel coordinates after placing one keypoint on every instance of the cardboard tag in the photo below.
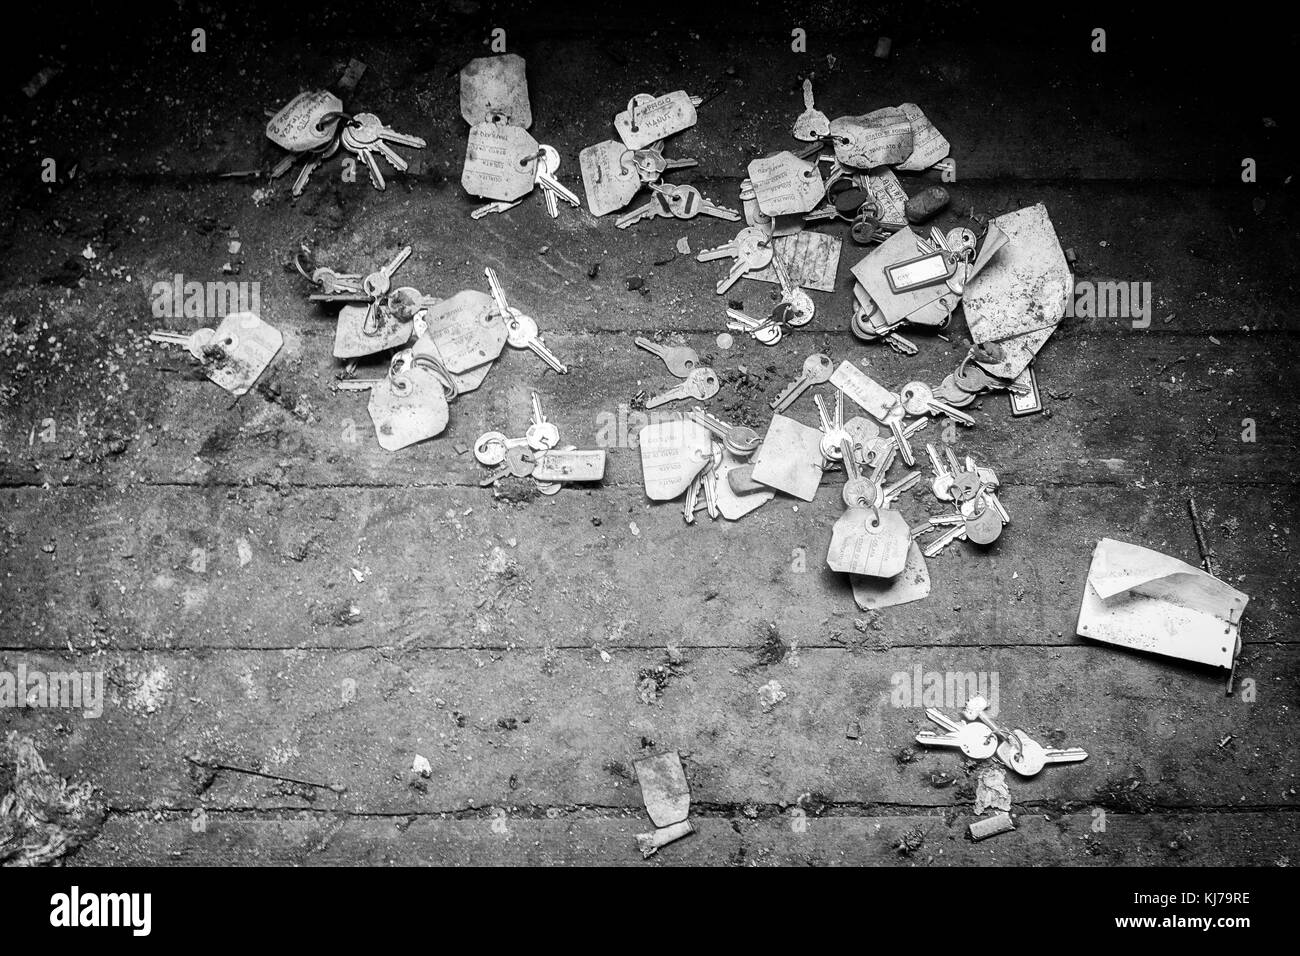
(888, 195)
(880, 138)
(732, 505)
(790, 458)
(1026, 287)
(672, 454)
(492, 162)
(609, 182)
(570, 465)
(869, 541)
(407, 407)
(466, 330)
(294, 127)
(928, 144)
(869, 394)
(655, 119)
(664, 789)
(811, 258)
(241, 348)
(495, 85)
(786, 185)
(910, 584)
(351, 340)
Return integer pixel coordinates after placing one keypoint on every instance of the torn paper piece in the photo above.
(910, 584)
(928, 144)
(1026, 287)
(664, 788)
(880, 138)
(811, 258)
(991, 790)
(1148, 601)
(650, 843)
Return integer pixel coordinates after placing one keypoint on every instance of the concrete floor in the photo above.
(265, 706)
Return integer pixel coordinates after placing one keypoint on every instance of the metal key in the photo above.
(956, 533)
(490, 448)
(817, 368)
(494, 207)
(680, 359)
(941, 484)
(195, 342)
(1027, 756)
(741, 440)
(552, 189)
(314, 160)
(974, 740)
(685, 202)
(657, 206)
(751, 251)
(834, 434)
(651, 164)
(522, 334)
(769, 333)
(701, 383)
(541, 434)
(918, 399)
(801, 306)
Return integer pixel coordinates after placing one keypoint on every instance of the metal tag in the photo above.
(785, 185)
(407, 407)
(656, 118)
(495, 85)
(241, 348)
(790, 458)
(500, 162)
(1031, 401)
(608, 180)
(294, 127)
(562, 465)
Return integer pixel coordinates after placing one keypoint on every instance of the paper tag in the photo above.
(790, 458)
(811, 258)
(786, 185)
(407, 407)
(495, 85)
(239, 351)
(888, 195)
(560, 465)
(493, 156)
(869, 541)
(928, 144)
(656, 119)
(608, 182)
(672, 454)
(866, 391)
(466, 330)
(351, 340)
(294, 127)
(880, 138)
(910, 584)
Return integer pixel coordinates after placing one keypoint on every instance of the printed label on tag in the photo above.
(609, 181)
(926, 270)
(790, 458)
(672, 454)
(466, 330)
(869, 541)
(500, 162)
(785, 185)
(241, 348)
(294, 127)
(655, 120)
(408, 407)
(559, 465)
(868, 393)
(880, 138)
(928, 144)
(495, 84)
(910, 584)
(888, 195)
(353, 340)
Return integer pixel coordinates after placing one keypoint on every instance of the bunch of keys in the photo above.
(504, 163)
(870, 538)
(978, 515)
(521, 329)
(679, 202)
(1017, 750)
(538, 455)
(938, 264)
(366, 134)
(308, 126)
(234, 354)
(409, 404)
(869, 325)
(383, 322)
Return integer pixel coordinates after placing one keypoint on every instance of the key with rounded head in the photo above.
(1027, 756)
(817, 368)
(490, 448)
(363, 151)
(955, 533)
(702, 383)
(918, 399)
(547, 165)
(657, 206)
(859, 491)
(973, 739)
(523, 334)
(195, 342)
(969, 377)
(741, 440)
(685, 202)
(941, 484)
(680, 359)
(834, 434)
(651, 164)
(541, 434)
(800, 304)
(769, 333)
(751, 251)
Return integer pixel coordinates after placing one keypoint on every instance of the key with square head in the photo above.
(1027, 756)
(548, 163)
(680, 359)
(656, 206)
(769, 333)
(740, 440)
(523, 334)
(919, 399)
(195, 342)
(702, 384)
(859, 491)
(685, 202)
(541, 434)
(955, 533)
(801, 304)
(817, 368)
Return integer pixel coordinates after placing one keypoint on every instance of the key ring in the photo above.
(429, 363)
(333, 115)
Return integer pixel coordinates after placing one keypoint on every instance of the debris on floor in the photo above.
(667, 798)
(992, 826)
(43, 818)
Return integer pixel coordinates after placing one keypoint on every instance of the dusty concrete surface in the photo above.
(285, 615)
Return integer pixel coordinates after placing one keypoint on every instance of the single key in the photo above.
(877, 448)
(801, 304)
(918, 399)
(701, 383)
(941, 484)
(769, 333)
(859, 491)
(523, 334)
(494, 207)
(709, 482)
(541, 434)
(957, 532)
(685, 202)
(651, 164)
(680, 359)
(817, 368)
(740, 440)
(1027, 756)
(490, 448)
(973, 739)
(657, 206)
(313, 162)
(195, 342)
(547, 165)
